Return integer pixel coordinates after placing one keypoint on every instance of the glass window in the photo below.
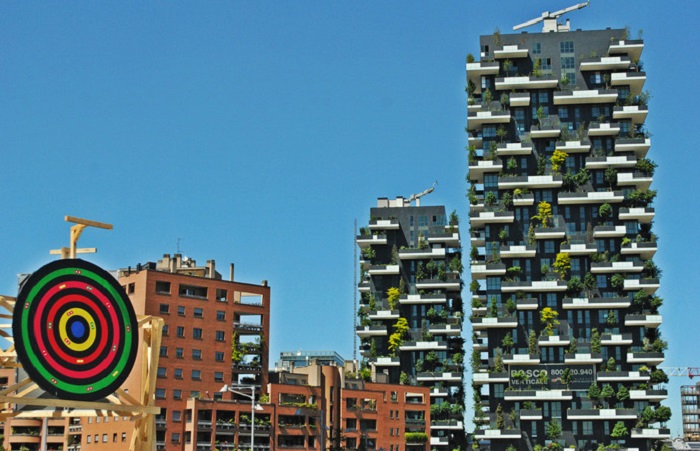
(218, 376)
(177, 394)
(536, 48)
(602, 281)
(567, 62)
(181, 310)
(177, 416)
(180, 331)
(165, 330)
(178, 373)
(489, 131)
(198, 313)
(567, 46)
(196, 375)
(220, 315)
(161, 371)
(179, 353)
(160, 393)
(196, 354)
(220, 335)
(164, 308)
(197, 333)
(176, 437)
(163, 351)
(219, 356)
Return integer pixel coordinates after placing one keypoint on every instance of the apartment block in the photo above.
(566, 341)
(410, 312)
(690, 407)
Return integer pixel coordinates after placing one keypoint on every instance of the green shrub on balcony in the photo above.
(416, 437)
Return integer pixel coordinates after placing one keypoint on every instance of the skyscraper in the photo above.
(564, 311)
(410, 314)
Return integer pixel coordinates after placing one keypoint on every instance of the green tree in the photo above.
(562, 264)
(623, 394)
(393, 295)
(507, 342)
(532, 346)
(595, 342)
(593, 392)
(553, 430)
(544, 213)
(610, 177)
(605, 211)
(619, 430)
(500, 421)
(607, 393)
(558, 159)
(548, 317)
(498, 361)
(396, 339)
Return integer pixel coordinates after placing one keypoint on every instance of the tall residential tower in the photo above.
(565, 316)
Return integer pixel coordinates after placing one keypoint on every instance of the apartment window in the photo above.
(563, 112)
(123, 436)
(164, 309)
(114, 437)
(567, 62)
(176, 437)
(602, 281)
(220, 295)
(196, 354)
(218, 396)
(198, 313)
(596, 78)
(165, 330)
(162, 287)
(220, 315)
(160, 393)
(536, 48)
(546, 63)
(197, 333)
(519, 115)
(587, 428)
(177, 394)
(193, 291)
(489, 131)
(196, 375)
(89, 438)
(177, 416)
(219, 356)
(181, 331)
(485, 82)
(567, 46)
(179, 353)
(178, 373)
(132, 288)
(218, 376)
(490, 181)
(181, 310)
(549, 247)
(163, 351)
(161, 371)
(220, 335)
(493, 283)
(551, 300)
(195, 394)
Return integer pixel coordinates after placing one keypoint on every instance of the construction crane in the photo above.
(417, 197)
(550, 19)
(681, 371)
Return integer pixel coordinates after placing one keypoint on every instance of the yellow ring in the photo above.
(64, 335)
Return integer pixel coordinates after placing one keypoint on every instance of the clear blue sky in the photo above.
(258, 131)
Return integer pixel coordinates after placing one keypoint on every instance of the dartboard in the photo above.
(75, 330)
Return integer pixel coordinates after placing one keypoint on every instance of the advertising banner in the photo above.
(551, 376)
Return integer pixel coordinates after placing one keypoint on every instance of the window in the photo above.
(176, 437)
(160, 393)
(567, 62)
(489, 131)
(181, 310)
(587, 428)
(123, 436)
(195, 394)
(567, 46)
(196, 354)
(219, 356)
(220, 315)
(161, 371)
(165, 330)
(178, 373)
(177, 394)
(180, 331)
(196, 375)
(179, 353)
(602, 281)
(220, 335)
(162, 287)
(163, 351)
(197, 333)
(596, 78)
(546, 63)
(164, 309)
(549, 247)
(198, 313)
(132, 288)
(114, 437)
(89, 438)
(218, 376)
(563, 112)
(220, 295)
(536, 48)
(177, 416)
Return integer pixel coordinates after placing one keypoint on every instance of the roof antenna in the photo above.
(550, 19)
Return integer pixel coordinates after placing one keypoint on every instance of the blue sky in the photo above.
(257, 132)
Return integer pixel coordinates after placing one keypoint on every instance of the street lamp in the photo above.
(237, 389)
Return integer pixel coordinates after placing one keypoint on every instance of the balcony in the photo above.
(640, 146)
(631, 48)
(585, 97)
(545, 131)
(371, 331)
(637, 179)
(519, 251)
(422, 254)
(439, 377)
(527, 304)
(510, 51)
(449, 239)
(363, 287)
(614, 267)
(482, 218)
(497, 434)
(424, 346)
(549, 233)
(524, 200)
(383, 270)
(591, 197)
(445, 329)
(571, 147)
(656, 434)
(519, 99)
(510, 149)
(648, 395)
(385, 361)
(380, 315)
(642, 214)
(530, 182)
(617, 161)
(488, 270)
(635, 80)
(384, 224)
(616, 339)
(446, 424)
(623, 376)
(646, 250)
(595, 303)
(544, 286)
(649, 321)
(553, 340)
(604, 129)
(368, 240)
(601, 414)
(579, 249)
(617, 231)
(491, 378)
(477, 69)
(494, 323)
(438, 441)
(648, 285)
(420, 299)
(635, 113)
(477, 238)
(525, 82)
(439, 393)
(647, 358)
(538, 395)
(530, 414)
(605, 63)
(581, 358)
(477, 119)
(521, 359)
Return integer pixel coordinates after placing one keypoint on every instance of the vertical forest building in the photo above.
(410, 312)
(566, 339)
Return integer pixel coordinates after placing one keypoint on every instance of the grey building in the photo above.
(410, 313)
(566, 338)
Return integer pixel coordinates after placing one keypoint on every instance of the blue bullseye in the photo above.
(77, 329)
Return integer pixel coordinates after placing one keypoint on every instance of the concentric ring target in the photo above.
(75, 330)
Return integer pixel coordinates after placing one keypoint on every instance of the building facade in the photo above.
(690, 407)
(410, 312)
(564, 311)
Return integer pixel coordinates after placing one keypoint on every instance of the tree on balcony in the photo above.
(557, 159)
(544, 214)
(548, 317)
(619, 430)
(562, 264)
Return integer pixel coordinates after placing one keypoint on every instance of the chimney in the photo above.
(211, 269)
(231, 270)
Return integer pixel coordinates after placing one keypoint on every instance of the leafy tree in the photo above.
(562, 264)
(567, 377)
(544, 213)
(573, 348)
(490, 200)
(605, 211)
(512, 166)
(646, 166)
(396, 339)
(498, 361)
(619, 430)
(658, 376)
(533, 349)
(493, 308)
(617, 282)
(500, 421)
(662, 414)
(510, 306)
(623, 394)
(553, 430)
(454, 218)
(507, 200)
(611, 365)
(607, 392)
(487, 96)
(507, 342)
(501, 131)
(589, 282)
(610, 177)
(593, 391)
(393, 295)
(574, 286)
(548, 317)
(595, 342)
(558, 159)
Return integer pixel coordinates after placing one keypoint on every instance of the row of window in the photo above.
(195, 374)
(161, 393)
(220, 335)
(104, 438)
(197, 312)
(196, 354)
